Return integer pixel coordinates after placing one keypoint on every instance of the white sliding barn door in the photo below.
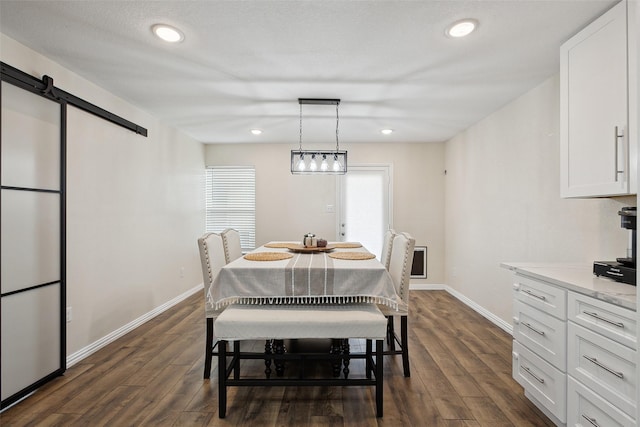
(32, 241)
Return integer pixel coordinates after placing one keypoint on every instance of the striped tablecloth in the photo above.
(304, 279)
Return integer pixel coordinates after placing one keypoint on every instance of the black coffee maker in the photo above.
(622, 269)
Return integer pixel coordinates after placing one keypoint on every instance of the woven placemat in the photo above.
(352, 255)
(268, 256)
(347, 245)
(285, 245)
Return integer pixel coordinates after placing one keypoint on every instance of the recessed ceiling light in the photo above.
(256, 131)
(462, 28)
(167, 33)
(387, 131)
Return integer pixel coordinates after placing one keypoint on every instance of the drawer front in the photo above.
(606, 367)
(541, 380)
(587, 409)
(542, 333)
(610, 320)
(543, 296)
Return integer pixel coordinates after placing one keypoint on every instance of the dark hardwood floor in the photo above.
(460, 376)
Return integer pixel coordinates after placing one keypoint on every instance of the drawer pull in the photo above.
(528, 292)
(528, 371)
(597, 316)
(592, 421)
(539, 332)
(605, 367)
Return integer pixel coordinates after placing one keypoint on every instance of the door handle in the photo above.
(617, 135)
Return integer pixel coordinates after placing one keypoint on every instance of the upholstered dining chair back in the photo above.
(232, 246)
(400, 263)
(387, 244)
(212, 258)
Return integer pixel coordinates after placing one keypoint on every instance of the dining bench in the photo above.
(239, 323)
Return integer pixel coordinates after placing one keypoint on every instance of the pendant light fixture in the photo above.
(319, 161)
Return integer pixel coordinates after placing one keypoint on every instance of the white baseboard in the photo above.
(507, 327)
(74, 358)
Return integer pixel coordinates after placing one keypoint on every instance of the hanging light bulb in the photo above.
(336, 164)
(301, 166)
(313, 165)
(324, 166)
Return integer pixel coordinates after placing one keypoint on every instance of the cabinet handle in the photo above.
(528, 371)
(597, 316)
(617, 136)
(603, 366)
(592, 421)
(537, 331)
(528, 292)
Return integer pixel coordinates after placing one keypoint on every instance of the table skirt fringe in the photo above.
(307, 300)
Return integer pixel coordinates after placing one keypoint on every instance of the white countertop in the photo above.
(578, 278)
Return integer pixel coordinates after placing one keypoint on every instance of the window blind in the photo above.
(231, 202)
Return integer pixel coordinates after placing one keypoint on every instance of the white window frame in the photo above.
(235, 204)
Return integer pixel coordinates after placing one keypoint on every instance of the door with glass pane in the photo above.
(365, 205)
(32, 322)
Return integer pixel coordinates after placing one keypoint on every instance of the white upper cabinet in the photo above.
(596, 145)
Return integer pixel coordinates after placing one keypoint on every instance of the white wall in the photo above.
(288, 205)
(503, 202)
(134, 208)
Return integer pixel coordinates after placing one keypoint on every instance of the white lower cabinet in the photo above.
(601, 362)
(588, 409)
(604, 366)
(544, 334)
(574, 355)
(540, 344)
(541, 380)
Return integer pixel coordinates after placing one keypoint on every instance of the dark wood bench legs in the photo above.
(404, 335)
(222, 378)
(372, 365)
(208, 349)
(379, 376)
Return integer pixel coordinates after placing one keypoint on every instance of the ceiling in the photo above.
(244, 64)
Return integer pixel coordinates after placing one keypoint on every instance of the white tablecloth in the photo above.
(304, 279)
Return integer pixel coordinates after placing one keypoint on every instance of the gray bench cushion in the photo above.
(247, 322)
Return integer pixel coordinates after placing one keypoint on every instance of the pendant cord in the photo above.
(300, 127)
(337, 122)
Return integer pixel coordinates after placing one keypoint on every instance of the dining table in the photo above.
(317, 280)
(283, 272)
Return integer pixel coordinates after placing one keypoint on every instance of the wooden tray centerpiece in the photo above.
(310, 249)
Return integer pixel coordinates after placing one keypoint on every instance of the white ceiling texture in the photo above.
(244, 64)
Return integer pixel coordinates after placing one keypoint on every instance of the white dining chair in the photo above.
(387, 244)
(232, 245)
(212, 258)
(400, 271)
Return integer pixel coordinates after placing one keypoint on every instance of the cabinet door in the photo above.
(604, 366)
(611, 321)
(540, 380)
(542, 333)
(586, 409)
(545, 297)
(593, 103)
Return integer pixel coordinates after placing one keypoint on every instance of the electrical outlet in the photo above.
(69, 314)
